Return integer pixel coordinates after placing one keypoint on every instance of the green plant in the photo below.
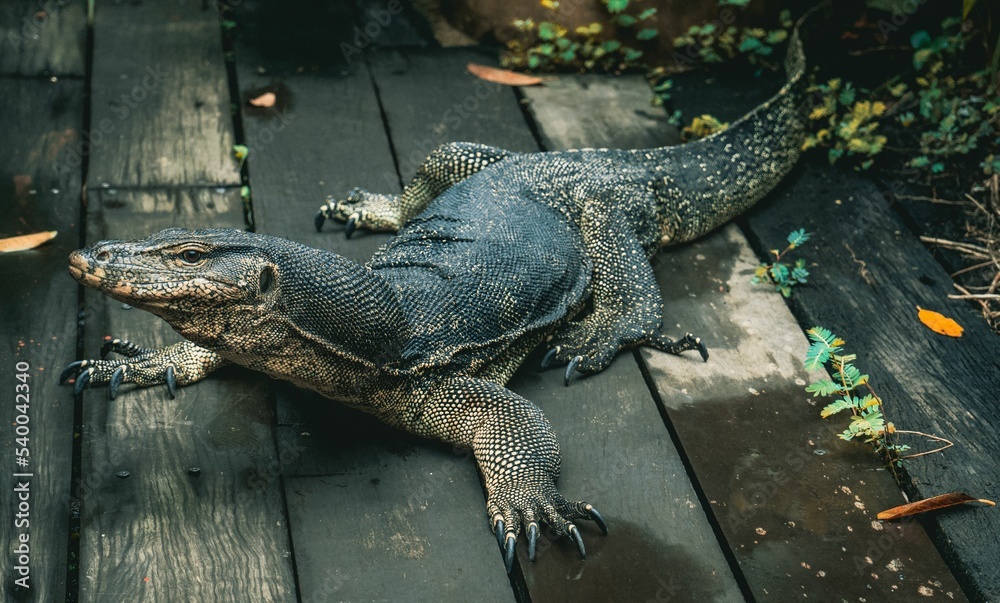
(867, 414)
(847, 125)
(715, 43)
(549, 45)
(240, 153)
(957, 110)
(784, 276)
(855, 393)
(702, 126)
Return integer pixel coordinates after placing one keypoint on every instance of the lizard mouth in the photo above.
(81, 270)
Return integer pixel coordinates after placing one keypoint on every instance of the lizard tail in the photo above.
(709, 181)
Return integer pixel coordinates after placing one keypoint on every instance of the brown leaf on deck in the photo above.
(939, 323)
(931, 504)
(503, 76)
(25, 242)
(264, 100)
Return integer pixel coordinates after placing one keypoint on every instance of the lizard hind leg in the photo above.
(627, 301)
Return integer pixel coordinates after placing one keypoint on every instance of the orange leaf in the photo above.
(931, 504)
(264, 100)
(939, 323)
(502, 76)
(25, 242)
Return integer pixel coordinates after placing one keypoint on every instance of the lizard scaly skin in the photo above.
(495, 252)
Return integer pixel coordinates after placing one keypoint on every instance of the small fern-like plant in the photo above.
(855, 394)
(780, 274)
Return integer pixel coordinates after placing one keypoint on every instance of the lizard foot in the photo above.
(589, 347)
(178, 364)
(361, 209)
(512, 510)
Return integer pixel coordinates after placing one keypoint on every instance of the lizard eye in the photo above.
(191, 256)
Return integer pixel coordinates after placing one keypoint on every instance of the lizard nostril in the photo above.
(103, 256)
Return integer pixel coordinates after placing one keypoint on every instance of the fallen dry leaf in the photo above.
(932, 504)
(939, 323)
(264, 100)
(503, 76)
(24, 242)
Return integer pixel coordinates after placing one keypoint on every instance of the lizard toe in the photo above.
(665, 344)
(174, 365)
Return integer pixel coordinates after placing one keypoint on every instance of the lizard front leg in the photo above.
(627, 303)
(179, 364)
(517, 453)
(446, 166)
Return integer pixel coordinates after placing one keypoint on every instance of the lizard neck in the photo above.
(316, 319)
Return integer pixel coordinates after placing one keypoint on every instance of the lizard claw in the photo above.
(549, 356)
(171, 379)
(352, 224)
(498, 530)
(72, 369)
(508, 555)
(533, 540)
(320, 219)
(116, 379)
(597, 519)
(574, 532)
(575, 362)
(82, 380)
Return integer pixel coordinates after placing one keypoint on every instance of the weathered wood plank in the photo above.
(381, 515)
(375, 514)
(429, 99)
(43, 37)
(619, 113)
(161, 114)
(165, 533)
(38, 327)
(930, 383)
(616, 450)
(796, 503)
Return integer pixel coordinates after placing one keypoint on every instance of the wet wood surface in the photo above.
(376, 514)
(163, 531)
(43, 38)
(869, 274)
(38, 307)
(755, 478)
(160, 108)
(719, 480)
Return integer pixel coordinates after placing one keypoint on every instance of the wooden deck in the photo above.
(719, 480)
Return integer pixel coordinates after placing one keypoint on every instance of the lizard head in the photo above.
(176, 270)
(222, 288)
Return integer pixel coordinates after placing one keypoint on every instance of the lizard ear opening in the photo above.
(266, 280)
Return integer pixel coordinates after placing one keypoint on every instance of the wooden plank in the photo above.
(795, 502)
(164, 533)
(38, 309)
(375, 514)
(620, 115)
(616, 450)
(161, 113)
(43, 38)
(930, 383)
(429, 99)
(726, 428)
